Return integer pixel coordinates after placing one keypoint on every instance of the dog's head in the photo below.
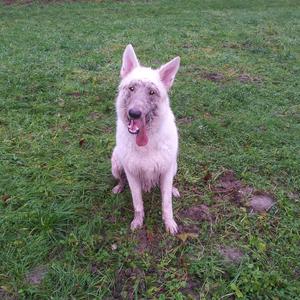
(143, 94)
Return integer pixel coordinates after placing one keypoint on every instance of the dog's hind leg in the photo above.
(118, 172)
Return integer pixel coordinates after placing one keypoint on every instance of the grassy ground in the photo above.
(236, 98)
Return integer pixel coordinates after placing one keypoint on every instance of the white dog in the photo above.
(146, 139)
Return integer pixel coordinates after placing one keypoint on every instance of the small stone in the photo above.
(261, 202)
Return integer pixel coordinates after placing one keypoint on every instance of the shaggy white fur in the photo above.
(155, 162)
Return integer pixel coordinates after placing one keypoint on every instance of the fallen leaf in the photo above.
(207, 177)
(150, 236)
(81, 142)
(5, 197)
(185, 235)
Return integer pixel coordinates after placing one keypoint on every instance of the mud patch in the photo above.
(127, 282)
(231, 188)
(246, 78)
(228, 187)
(191, 228)
(94, 115)
(232, 255)
(215, 77)
(191, 288)
(36, 275)
(261, 202)
(147, 241)
(142, 241)
(28, 2)
(184, 120)
(197, 213)
(187, 189)
(242, 46)
(61, 127)
(75, 94)
(4, 295)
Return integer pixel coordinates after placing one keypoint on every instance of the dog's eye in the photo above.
(151, 92)
(131, 88)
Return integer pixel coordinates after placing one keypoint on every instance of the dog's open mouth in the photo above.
(137, 126)
(134, 126)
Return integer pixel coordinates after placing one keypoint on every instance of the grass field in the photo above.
(63, 235)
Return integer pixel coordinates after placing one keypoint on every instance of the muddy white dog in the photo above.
(146, 140)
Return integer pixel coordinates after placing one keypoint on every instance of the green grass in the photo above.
(59, 64)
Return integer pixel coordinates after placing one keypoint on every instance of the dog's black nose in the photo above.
(134, 114)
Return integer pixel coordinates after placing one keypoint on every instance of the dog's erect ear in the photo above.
(129, 62)
(168, 71)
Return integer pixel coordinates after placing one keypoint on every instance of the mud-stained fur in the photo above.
(146, 140)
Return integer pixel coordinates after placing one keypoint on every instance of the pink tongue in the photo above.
(141, 138)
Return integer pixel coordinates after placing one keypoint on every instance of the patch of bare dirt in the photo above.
(197, 213)
(233, 255)
(36, 275)
(94, 115)
(246, 78)
(191, 228)
(244, 45)
(187, 189)
(61, 127)
(190, 290)
(75, 94)
(125, 283)
(147, 241)
(184, 120)
(215, 77)
(187, 45)
(4, 295)
(228, 187)
(27, 2)
(9, 2)
(142, 240)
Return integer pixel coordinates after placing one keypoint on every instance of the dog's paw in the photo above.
(175, 192)
(118, 189)
(171, 226)
(136, 223)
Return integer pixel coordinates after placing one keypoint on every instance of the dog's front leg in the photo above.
(166, 184)
(136, 192)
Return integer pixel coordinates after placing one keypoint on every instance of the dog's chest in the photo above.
(147, 166)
